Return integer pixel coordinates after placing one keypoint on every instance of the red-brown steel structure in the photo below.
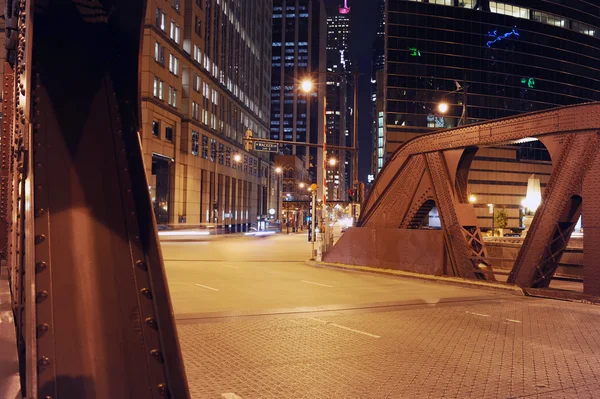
(92, 308)
(433, 170)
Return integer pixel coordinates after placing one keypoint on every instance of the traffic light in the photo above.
(351, 195)
(248, 140)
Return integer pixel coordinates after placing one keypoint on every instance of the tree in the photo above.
(501, 218)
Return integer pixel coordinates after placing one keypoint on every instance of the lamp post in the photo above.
(278, 171)
(491, 206)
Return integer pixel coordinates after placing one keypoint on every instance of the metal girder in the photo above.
(456, 247)
(556, 217)
(558, 121)
(98, 320)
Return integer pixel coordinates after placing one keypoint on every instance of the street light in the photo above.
(443, 107)
(279, 172)
(472, 199)
(237, 158)
(307, 86)
(301, 185)
(332, 161)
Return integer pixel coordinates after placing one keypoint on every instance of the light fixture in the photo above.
(443, 107)
(332, 161)
(278, 170)
(472, 199)
(307, 86)
(237, 157)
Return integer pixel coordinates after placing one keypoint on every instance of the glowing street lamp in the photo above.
(307, 86)
(443, 107)
(332, 161)
(301, 185)
(472, 199)
(237, 158)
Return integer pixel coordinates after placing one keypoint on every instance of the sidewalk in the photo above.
(9, 365)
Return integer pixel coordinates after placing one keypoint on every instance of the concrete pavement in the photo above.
(256, 322)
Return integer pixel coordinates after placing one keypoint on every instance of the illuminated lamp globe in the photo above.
(278, 170)
(443, 107)
(237, 157)
(332, 161)
(307, 86)
(472, 199)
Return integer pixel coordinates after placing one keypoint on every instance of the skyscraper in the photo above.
(298, 53)
(487, 60)
(339, 100)
(205, 81)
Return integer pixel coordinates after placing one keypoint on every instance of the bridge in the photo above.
(432, 170)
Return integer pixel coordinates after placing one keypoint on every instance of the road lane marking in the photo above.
(312, 282)
(345, 328)
(230, 395)
(478, 314)
(207, 287)
(513, 321)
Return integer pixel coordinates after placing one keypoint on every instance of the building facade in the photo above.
(339, 102)
(206, 71)
(509, 57)
(298, 54)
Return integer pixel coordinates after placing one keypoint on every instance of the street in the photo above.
(256, 322)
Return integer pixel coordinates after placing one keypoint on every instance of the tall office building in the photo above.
(377, 66)
(206, 71)
(339, 101)
(511, 56)
(298, 54)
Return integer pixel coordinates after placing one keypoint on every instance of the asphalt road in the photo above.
(255, 322)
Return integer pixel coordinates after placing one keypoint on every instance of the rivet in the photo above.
(44, 361)
(146, 292)
(162, 389)
(41, 296)
(41, 266)
(151, 322)
(42, 329)
(40, 238)
(141, 265)
(157, 355)
(39, 212)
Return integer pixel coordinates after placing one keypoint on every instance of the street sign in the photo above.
(264, 146)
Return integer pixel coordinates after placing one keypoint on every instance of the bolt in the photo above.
(42, 329)
(40, 238)
(157, 355)
(44, 361)
(141, 265)
(146, 292)
(162, 389)
(41, 266)
(152, 323)
(41, 296)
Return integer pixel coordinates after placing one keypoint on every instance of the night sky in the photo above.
(364, 27)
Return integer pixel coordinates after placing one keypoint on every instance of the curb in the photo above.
(512, 289)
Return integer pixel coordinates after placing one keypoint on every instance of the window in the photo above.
(175, 4)
(173, 64)
(213, 150)
(204, 147)
(155, 128)
(228, 157)
(160, 19)
(195, 111)
(169, 133)
(221, 153)
(198, 26)
(195, 137)
(197, 83)
(159, 53)
(158, 88)
(197, 54)
(172, 97)
(174, 32)
(246, 163)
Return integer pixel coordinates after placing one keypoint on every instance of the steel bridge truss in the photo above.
(433, 170)
(92, 308)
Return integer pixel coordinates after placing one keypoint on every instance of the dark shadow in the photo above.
(462, 174)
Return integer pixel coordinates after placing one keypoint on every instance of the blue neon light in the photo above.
(498, 37)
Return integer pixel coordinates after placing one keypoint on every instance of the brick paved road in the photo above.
(480, 344)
